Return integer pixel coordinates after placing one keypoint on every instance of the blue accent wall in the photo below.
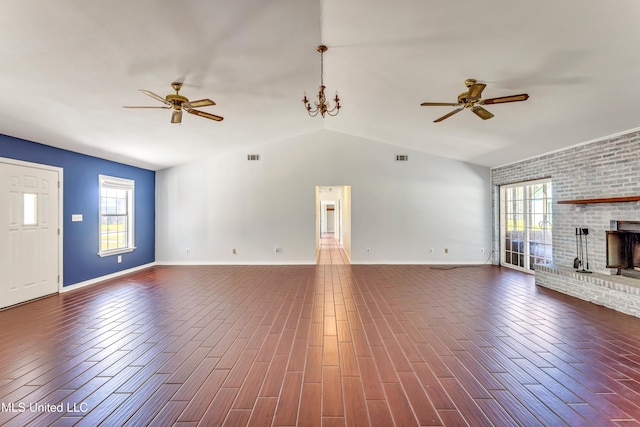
(81, 188)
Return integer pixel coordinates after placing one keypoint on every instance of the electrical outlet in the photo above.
(234, 252)
(277, 250)
(119, 259)
(188, 251)
(430, 250)
(368, 250)
(446, 250)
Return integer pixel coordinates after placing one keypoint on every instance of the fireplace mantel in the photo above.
(601, 200)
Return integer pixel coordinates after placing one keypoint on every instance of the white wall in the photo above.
(399, 210)
(346, 220)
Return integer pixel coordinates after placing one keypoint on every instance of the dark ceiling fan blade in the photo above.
(136, 106)
(482, 113)
(203, 114)
(176, 117)
(475, 91)
(446, 116)
(199, 103)
(438, 104)
(503, 99)
(154, 96)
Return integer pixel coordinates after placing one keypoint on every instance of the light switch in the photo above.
(76, 217)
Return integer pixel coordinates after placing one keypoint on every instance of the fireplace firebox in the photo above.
(623, 248)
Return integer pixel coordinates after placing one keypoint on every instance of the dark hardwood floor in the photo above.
(326, 345)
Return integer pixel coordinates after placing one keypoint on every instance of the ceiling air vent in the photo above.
(402, 157)
(253, 157)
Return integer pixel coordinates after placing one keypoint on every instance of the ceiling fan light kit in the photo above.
(471, 99)
(322, 107)
(179, 104)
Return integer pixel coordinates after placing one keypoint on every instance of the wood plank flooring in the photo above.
(331, 251)
(326, 345)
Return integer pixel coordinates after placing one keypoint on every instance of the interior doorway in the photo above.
(333, 224)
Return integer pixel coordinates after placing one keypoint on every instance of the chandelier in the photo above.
(322, 106)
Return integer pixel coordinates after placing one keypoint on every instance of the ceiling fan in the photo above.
(471, 99)
(179, 103)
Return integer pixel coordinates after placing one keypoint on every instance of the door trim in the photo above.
(60, 172)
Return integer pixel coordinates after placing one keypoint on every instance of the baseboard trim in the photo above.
(234, 263)
(377, 262)
(420, 262)
(106, 277)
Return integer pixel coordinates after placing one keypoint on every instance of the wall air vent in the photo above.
(402, 157)
(253, 157)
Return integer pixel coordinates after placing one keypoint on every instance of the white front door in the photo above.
(29, 239)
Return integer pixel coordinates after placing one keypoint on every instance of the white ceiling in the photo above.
(68, 66)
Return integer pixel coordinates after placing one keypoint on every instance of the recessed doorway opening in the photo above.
(333, 224)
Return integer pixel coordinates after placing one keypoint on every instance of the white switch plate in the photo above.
(76, 217)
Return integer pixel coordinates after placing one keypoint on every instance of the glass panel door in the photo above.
(526, 227)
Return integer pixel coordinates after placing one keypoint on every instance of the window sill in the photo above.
(116, 252)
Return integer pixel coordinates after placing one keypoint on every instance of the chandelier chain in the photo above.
(321, 68)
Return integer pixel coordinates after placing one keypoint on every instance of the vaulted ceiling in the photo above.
(68, 66)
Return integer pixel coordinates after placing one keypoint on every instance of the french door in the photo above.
(526, 224)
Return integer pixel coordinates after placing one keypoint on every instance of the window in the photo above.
(116, 215)
(525, 224)
(29, 209)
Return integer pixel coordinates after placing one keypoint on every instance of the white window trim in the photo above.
(123, 183)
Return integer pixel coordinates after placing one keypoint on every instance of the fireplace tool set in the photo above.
(582, 251)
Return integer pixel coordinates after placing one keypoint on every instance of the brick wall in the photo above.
(605, 168)
(617, 292)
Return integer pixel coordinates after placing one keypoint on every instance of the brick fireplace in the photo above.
(623, 248)
(595, 186)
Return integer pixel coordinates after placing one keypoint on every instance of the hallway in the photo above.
(331, 252)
